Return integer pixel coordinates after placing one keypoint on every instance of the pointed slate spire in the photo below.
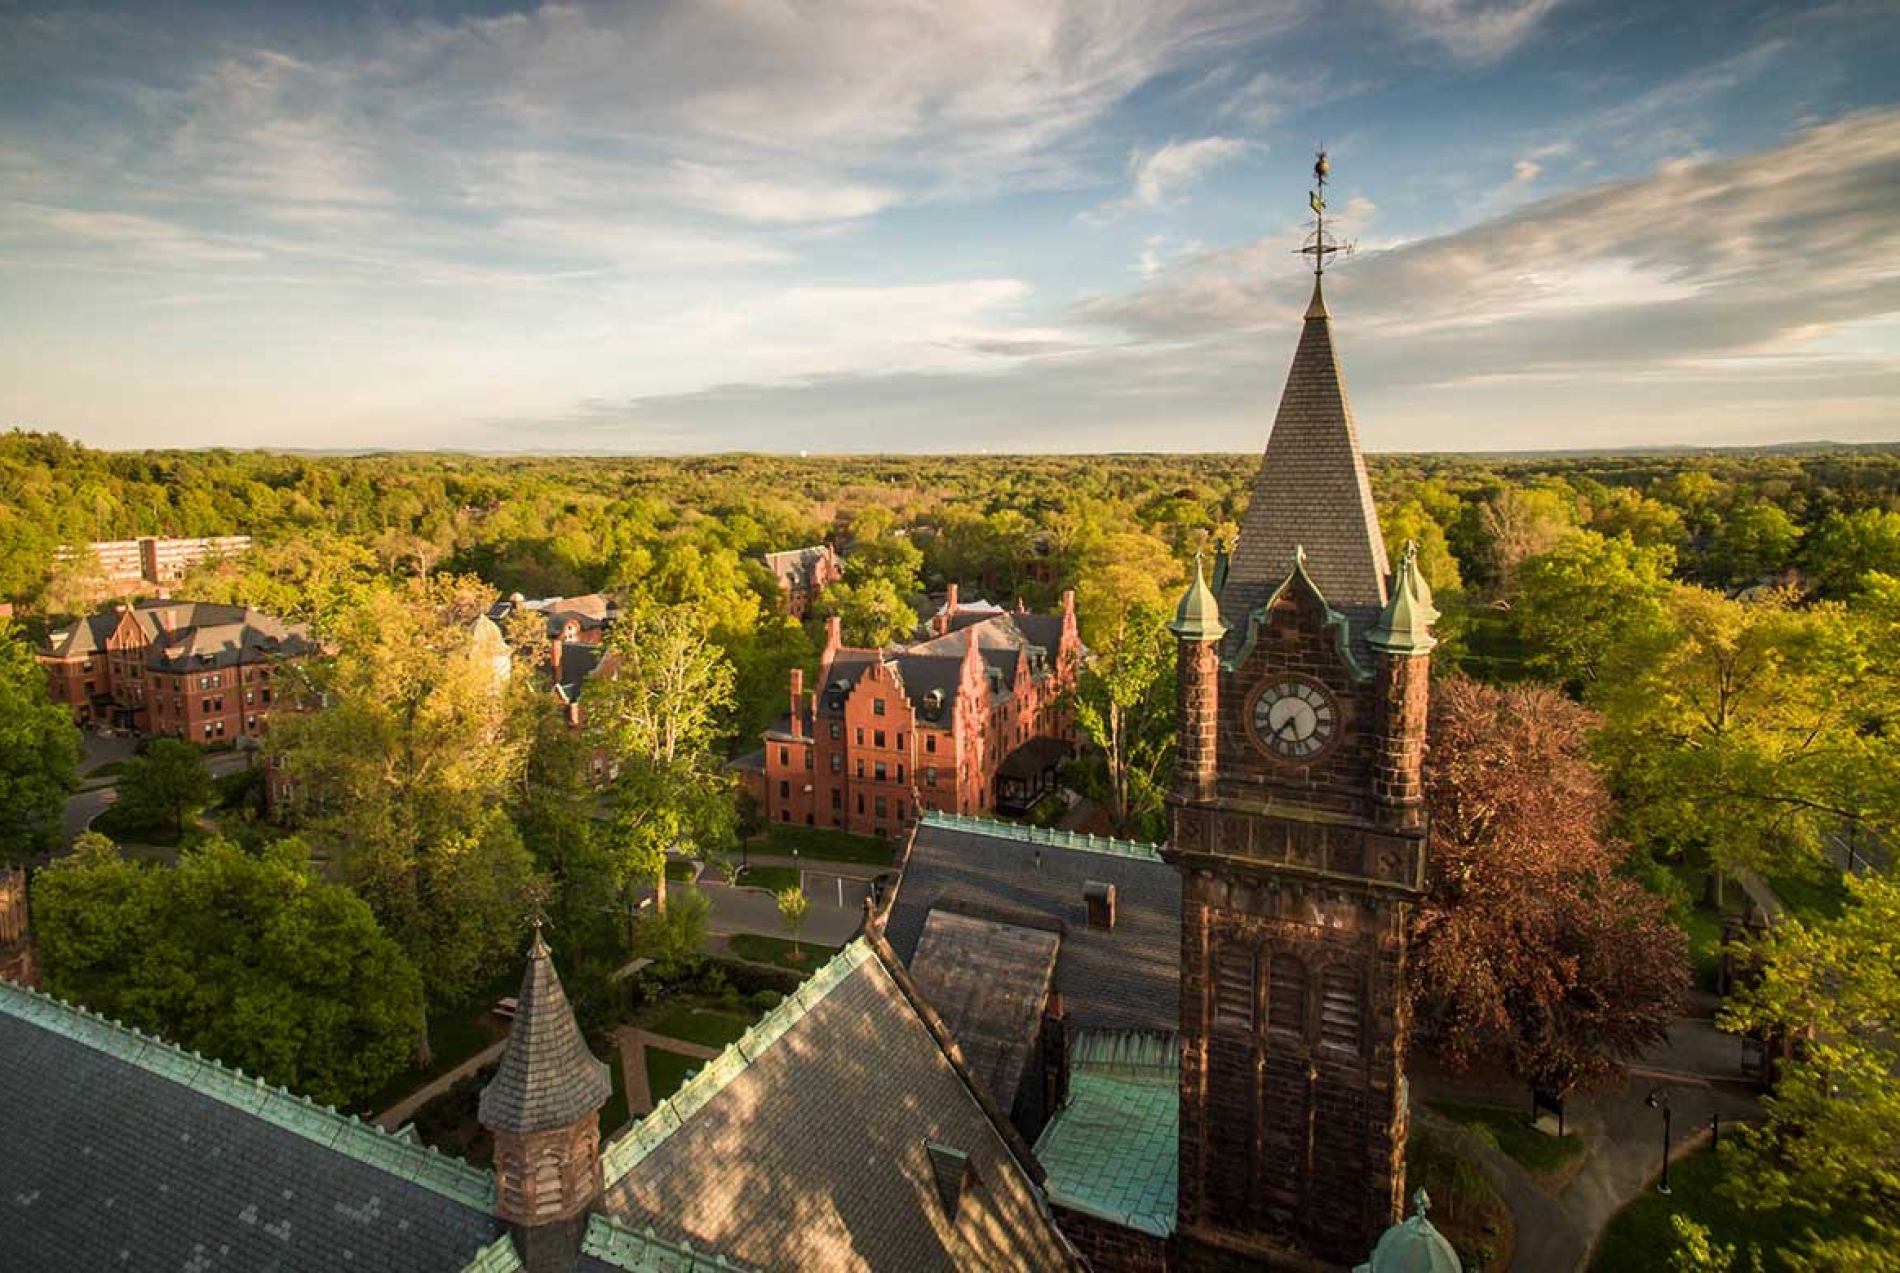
(1405, 625)
(547, 1078)
(1312, 488)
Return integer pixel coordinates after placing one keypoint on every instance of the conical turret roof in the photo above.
(1197, 618)
(1312, 491)
(547, 1077)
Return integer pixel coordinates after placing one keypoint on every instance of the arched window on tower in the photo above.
(1286, 998)
(1340, 997)
(1233, 987)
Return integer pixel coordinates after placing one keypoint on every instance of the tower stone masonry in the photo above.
(1297, 824)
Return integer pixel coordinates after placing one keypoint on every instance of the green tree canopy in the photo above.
(252, 960)
(39, 752)
(1124, 704)
(165, 787)
(1591, 602)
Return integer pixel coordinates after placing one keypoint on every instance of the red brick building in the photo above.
(152, 559)
(960, 722)
(803, 573)
(176, 669)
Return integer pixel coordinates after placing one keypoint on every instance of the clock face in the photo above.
(1294, 719)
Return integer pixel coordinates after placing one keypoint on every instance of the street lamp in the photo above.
(1659, 1099)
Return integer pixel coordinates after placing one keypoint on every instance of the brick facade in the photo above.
(887, 734)
(1112, 1248)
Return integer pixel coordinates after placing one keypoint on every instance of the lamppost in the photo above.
(1659, 1099)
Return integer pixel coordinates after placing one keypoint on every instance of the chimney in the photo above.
(1068, 601)
(1099, 898)
(554, 659)
(798, 702)
(834, 636)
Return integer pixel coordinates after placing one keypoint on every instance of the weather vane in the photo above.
(1319, 244)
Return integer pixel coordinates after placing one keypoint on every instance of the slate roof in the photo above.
(188, 636)
(125, 1152)
(547, 1078)
(1124, 979)
(804, 1145)
(793, 567)
(989, 983)
(1113, 1149)
(1312, 491)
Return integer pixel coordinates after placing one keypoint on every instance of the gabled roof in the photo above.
(793, 567)
(1127, 978)
(547, 1078)
(1312, 490)
(805, 1145)
(126, 1152)
(989, 982)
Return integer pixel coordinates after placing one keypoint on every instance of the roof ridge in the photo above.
(498, 1256)
(631, 1149)
(346, 1134)
(1053, 837)
(644, 1251)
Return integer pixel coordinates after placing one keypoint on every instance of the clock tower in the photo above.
(1297, 823)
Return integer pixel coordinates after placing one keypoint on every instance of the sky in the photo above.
(980, 225)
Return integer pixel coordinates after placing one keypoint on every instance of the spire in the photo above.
(1312, 488)
(1405, 626)
(547, 1078)
(1197, 618)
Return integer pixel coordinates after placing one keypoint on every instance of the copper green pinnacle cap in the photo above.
(1413, 1246)
(1197, 618)
(1405, 625)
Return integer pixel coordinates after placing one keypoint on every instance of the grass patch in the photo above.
(1532, 1149)
(1641, 1238)
(821, 845)
(1465, 1207)
(707, 1027)
(115, 822)
(775, 878)
(110, 769)
(454, 1036)
(668, 1071)
(773, 950)
(1819, 894)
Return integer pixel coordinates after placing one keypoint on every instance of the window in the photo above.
(1339, 1008)
(879, 807)
(877, 709)
(837, 730)
(900, 810)
(785, 757)
(784, 790)
(930, 775)
(860, 802)
(900, 771)
(809, 762)
(877, 772)
(250, 696)
(877, 738)
(860, 769)
(204, 705)
(900, 740)
(784, 815)
(837, 798)
(860, 735)
(930, 743)
(1286, 997)
(837, 763)
(1233, 987)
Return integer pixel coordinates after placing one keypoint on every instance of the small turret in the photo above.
(1197, 618)
(1413, 1246)
(543, 1105)
(1405, 625)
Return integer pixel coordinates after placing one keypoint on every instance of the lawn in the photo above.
(1641, 1238)
(613, 1115)
(454, 1037)
(820, 845)
(112, 821)
(707, 1027)
(1465, 1208)
(1702, 924)
(668, 1071)
(775, 878)
(773, 950)
(1533, 1150)
(110, 769)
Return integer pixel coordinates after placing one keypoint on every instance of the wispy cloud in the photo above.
(1472, 30)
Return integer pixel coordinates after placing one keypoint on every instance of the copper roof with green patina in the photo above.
(1111, 1150)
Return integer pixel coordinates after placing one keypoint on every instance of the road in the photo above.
(755, 910)
(82, 807)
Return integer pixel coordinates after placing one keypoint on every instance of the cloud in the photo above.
(1161, 174)
(1525, 171)
(1471, 30)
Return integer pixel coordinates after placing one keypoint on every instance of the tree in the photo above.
(793, 906)
(871, 613)
(406, 775)
(165, 787)
(253, 960)
(1846, 547)
(1588, 602)
(675, 938)
(1520, 523)
(881, 549)
(39, 752)
(1748, 727)
(1753, 541)
(656, 712)
(1528, 946)
(1124, 702)
(1830, 1147)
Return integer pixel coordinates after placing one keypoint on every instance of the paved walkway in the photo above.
(753, 910)
(632, 1043)
(396, 1115)
(1558, 1229)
